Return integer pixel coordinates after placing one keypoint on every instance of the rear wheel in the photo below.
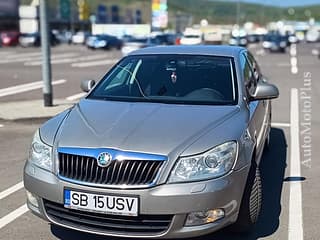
(251, 201)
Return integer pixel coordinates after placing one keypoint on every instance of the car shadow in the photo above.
(272, 168)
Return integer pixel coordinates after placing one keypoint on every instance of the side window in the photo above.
(249, 79)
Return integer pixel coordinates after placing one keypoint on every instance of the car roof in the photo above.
(212, 50)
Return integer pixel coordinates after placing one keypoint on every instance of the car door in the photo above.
(257, 109)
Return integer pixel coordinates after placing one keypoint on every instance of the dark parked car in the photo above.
(275, 43)
(103, 42)
(34, 40)
(253, 38)
(166, 39)
(10, 38)
(168, 144)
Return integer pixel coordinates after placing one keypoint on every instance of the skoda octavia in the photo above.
(166, 145)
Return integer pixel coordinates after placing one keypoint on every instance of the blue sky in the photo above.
(284, 3)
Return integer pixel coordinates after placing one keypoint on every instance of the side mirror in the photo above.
(265, 91)
(87, 85)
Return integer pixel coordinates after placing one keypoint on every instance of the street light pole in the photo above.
(45, 49)
(238, 21)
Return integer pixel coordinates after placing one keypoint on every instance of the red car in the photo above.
(9, 38)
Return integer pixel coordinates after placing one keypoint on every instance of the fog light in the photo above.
(204, 217)
(32, 199)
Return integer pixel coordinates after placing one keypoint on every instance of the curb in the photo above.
(24, 111)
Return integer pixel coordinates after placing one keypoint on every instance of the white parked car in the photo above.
(79, 38)
(313, 35)
(192, 37)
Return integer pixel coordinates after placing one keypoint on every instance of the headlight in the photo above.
(102, 43)
(40, 153)
(212, 164)
(243, 41)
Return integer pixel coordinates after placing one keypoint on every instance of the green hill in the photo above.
(225, 12)
(215, 11)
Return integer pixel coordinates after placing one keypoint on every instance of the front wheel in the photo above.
(251, 201)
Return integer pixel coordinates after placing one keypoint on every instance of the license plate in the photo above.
(109, 204)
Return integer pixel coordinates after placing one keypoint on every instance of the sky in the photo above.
(284, 3)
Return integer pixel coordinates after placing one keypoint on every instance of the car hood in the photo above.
(140, 127)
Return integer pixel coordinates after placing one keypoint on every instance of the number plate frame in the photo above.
(117, 213)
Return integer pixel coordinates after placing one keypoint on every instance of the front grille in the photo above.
(99, 222)
(127, 172)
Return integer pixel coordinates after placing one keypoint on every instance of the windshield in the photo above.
(192, 36)
(29, 35)
(104, 37)
(273, 38)
(185, 79)
(138, 40)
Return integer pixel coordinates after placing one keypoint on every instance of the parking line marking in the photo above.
(2, 54)
(76, 96)
(283, 64)
(54, 57)
(68, 60)
(20, 55)
(37, 58)
(26, 87)
(280, 124)
(13, 215)
(9, 59)
(95, 63)
(11, 190)
(293, 59)
(295, 231)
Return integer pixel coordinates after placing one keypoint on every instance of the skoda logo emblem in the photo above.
(104, 159)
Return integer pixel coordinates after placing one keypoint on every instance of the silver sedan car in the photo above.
(166, 145)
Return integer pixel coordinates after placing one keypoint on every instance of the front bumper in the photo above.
(177, 199)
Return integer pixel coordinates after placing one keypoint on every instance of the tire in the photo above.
(251, 202)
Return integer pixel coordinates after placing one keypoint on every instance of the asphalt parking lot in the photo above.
(290, 170)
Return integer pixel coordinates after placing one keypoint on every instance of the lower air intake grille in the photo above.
(98, 222)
